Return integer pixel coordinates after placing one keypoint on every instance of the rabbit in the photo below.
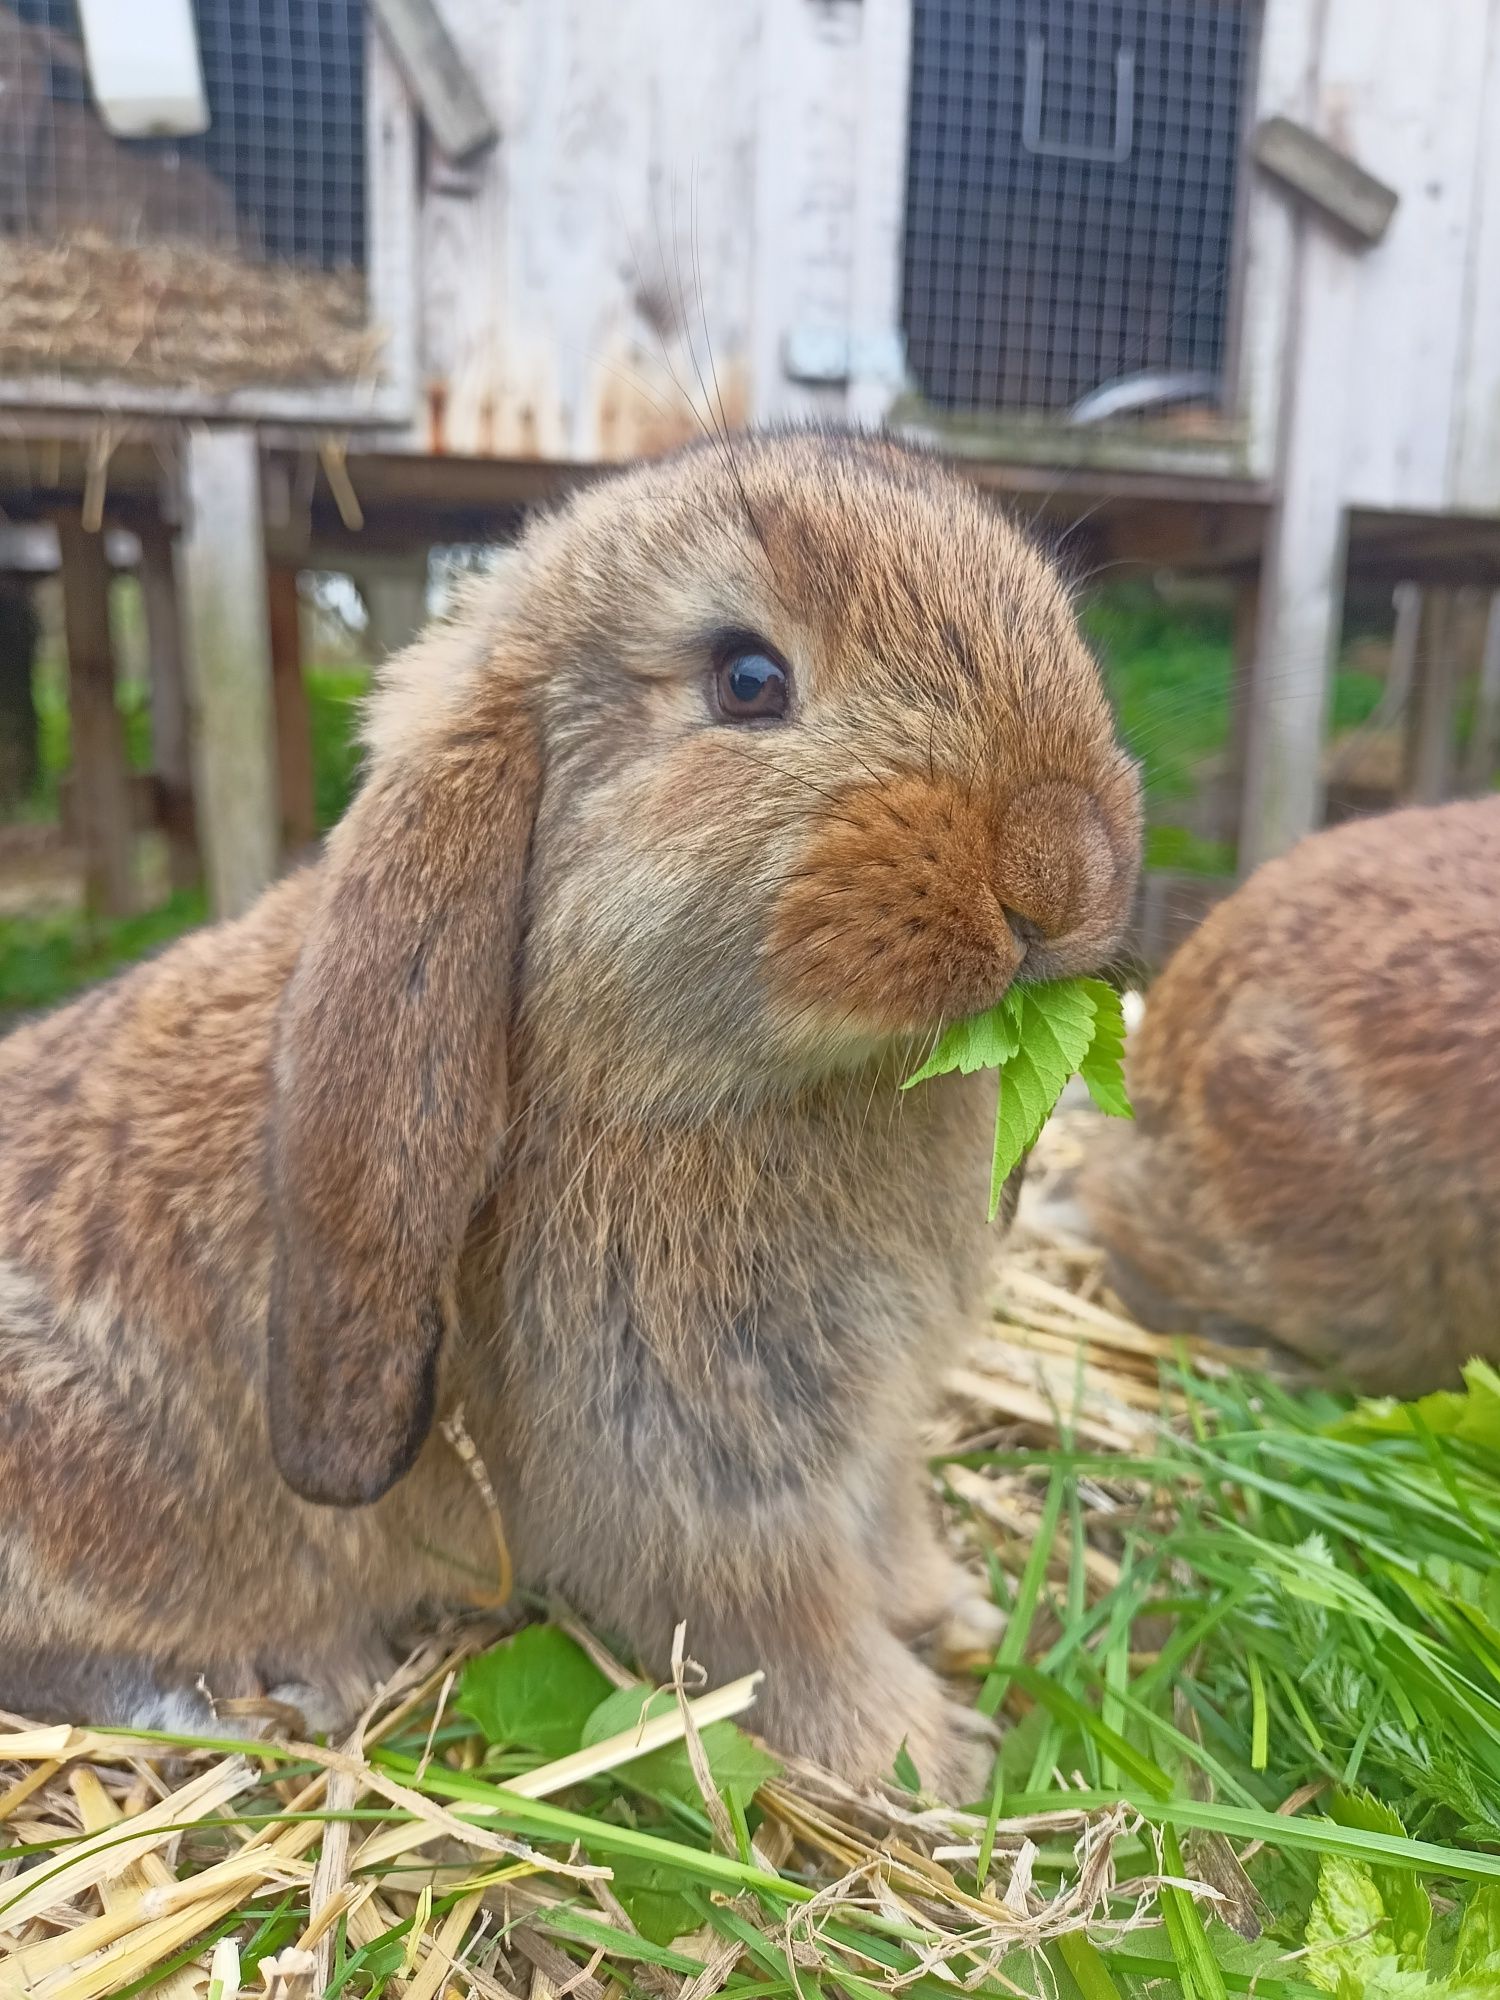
(562, 1091)
(1316, 1151)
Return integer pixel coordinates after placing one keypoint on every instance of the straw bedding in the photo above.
(178, 314)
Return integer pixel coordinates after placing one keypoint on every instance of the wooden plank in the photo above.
(1430, 739)
(1285, 72)
(1337, 186)
(1303, 583)
(393, 273)
(1475, 478)
(877, 344)
(1482, 759)
(294, 758)
(1246, 649)
(171, 735)
(102, 776)
(586, 295)
(394, 589)
(20, 727)
(440, 79)
(229, 666)
(812, 74)
(1402, 87)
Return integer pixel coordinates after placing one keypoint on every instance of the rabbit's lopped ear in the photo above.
(390, 1080)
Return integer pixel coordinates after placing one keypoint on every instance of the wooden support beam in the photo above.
(171, 727)
(1430, 740)
(1246, 647)
(1302, 615)
(1302, 602)
(101, 774)
(1482, 761)
(20, 726)
(294, 760)
(394, 589)
(223, 566)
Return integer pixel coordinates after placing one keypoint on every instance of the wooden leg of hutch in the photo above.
(294, 760)
(171, 731)
(1482, 761)
(1431, 735)
(102, 806)
(223, 561)
(1301, 613)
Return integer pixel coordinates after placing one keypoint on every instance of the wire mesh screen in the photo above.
(221, 260)
(1071, 200)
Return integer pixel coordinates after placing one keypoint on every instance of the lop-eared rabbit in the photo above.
(1316, 1152)
(563, 1089)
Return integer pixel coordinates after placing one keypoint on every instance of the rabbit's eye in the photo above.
(750, 682)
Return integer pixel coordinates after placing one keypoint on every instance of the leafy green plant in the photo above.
(1038, 1037)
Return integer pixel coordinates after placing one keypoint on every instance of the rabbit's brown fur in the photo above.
(1316, 1153)
(564, 1088)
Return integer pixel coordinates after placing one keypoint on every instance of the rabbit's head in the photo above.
(742, 768)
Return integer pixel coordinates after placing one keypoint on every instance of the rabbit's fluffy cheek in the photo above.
(890, 921)
(917, 902)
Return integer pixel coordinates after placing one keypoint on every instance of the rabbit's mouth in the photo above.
(915, 904)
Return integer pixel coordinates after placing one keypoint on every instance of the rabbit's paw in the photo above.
(855, 1717)
(954, 1755)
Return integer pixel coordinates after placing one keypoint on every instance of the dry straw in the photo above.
(179, 314)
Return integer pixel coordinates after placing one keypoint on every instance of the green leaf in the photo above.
(1471, 1414)
(1017, 1123)
(1406, 1902)
(1037, 1037)
(655, 1898)
(738, 1765)
(906, 1773)
(1347, 1929)
(625, 1708)
(1103, 1067)
(1478, 1946)
(984, 1041)
(535, 1691)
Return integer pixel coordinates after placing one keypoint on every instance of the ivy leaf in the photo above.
(1103, 1067)
(534, 1692)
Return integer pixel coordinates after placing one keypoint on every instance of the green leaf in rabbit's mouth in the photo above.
(1037, 1037)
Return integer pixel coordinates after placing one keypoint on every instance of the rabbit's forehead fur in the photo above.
(712, 905)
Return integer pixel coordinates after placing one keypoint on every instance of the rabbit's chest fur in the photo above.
(689, 1337)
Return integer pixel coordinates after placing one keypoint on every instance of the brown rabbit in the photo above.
(564, 1089)
(1316, 1153)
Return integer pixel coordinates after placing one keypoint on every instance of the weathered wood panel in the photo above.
(1284, 87)
(1401, 88)
(1475, 478)
(575, 286)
